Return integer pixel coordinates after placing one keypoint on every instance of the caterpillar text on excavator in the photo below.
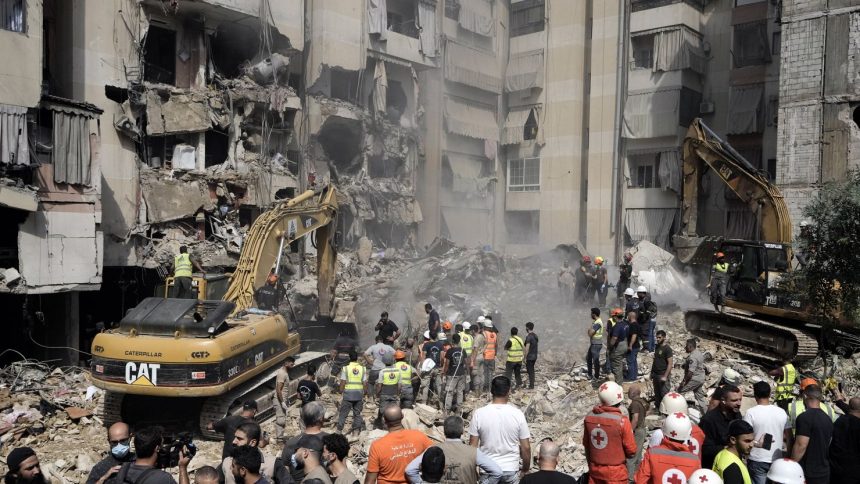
(762, 321)
(201, 358)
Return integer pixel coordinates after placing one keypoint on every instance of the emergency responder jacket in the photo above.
(182, 265)
(466, 343)
(406, 372)
(785, 383)
(697, 440)
(597, 337)
(515, 353)
(659, 463)
(354, 376)
(490, 349)
(725, 459)
(389, 378)
(608, 440)
(797, 407)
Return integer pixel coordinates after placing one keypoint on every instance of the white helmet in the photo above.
(641, 289)
(488, 323)
(427, 334)
(673, 402)
(611, 393)
(466, 325)
(705, 476)
(441, 336)
(629, 291)
(731, 376)
(677, 426)
(480, 319)
(786, 471)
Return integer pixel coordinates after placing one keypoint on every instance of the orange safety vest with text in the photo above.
(490, 350)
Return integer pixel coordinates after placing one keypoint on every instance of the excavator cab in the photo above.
(755, 269)
(208, 287)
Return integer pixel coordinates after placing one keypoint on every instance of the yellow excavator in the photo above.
(193, 361)
(761, 321)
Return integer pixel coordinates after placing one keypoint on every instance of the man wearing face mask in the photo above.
(118, 454)
(307, 457)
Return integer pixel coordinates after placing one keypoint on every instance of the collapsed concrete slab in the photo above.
(170, 199)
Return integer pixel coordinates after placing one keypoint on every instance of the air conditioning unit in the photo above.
(706, 107)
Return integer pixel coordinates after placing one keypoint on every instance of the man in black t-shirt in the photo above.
(634, 333)
(388, 330)
(813, 432)
(454, 367)
(307, 389)
(434, 326)
(547, 463)
(230, 423)
(661, 369)
(431, 381)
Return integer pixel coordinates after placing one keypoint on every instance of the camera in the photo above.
(168, 455)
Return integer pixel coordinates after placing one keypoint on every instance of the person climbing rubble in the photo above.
(647, 317)
(608, 438)
(694, 374)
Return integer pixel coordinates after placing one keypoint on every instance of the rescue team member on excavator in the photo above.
(625, 273)
(785, 377)
(717, 282)
(182, 264)
(408, 377)
(353, 386)
(269, 295)
(608, 438)
(671, 460)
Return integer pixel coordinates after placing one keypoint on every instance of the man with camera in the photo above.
(150, 457)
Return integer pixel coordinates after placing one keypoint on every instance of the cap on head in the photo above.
(705, 476)
(441, 336)
(480, 319)
(467, 325)
(447, 326)
(677, 427)
(598, 260)
(673, 402)
(610, 393)
(731, 376)
(488, 323)
(806, 382)
(617, 312)
(641, 289)
(249, 405)
(586, 258)
(399, 355)
(427, 334)
(629, 291)
(786, 471)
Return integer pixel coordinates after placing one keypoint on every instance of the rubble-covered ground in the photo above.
(53, 409)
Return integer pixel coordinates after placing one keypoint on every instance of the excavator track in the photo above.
(752, 336)
(260, 389)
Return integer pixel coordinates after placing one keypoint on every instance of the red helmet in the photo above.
(586, 258)
(617, 312)
(628, 256)
(720, 255)
(399, 355)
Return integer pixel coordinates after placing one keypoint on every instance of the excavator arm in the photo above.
(702, 150)
(271, 234)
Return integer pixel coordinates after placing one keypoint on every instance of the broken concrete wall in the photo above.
(21, 56)
(336, 37)
(176, 112)
(168, 200)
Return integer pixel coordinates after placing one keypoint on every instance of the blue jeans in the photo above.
(758, 471)
(632, 365)
(652, 338)
(592, 358)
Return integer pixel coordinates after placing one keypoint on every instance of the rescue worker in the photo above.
(446, 328)
(707, 476)
(408, 375)
(717, 282)
(618, 349)
(455, 366)
(488, 364)
(514, 363)
(478, 347)
(616, 315)
(608, 438)
(585, 280)
(785, 377)
(339, 354)
(601, 281)
(268, 296)
(566, 282)
(182, 264)
(431, 364)
(625, 272)
(631, 301)
(797, 407)
(647, 317)
(595, 336)
(671, 461)
(785, 471)
(674, 402)
(467, 343)
(387, 388)
(729, 462)
(353, 386)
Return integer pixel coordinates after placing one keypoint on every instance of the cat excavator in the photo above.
(760, 320)
(192, 361)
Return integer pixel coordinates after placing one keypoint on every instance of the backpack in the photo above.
(122, 475)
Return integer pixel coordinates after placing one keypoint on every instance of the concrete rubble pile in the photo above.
(654, 268)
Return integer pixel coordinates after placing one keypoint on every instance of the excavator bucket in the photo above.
(695, 250)
(320, 334)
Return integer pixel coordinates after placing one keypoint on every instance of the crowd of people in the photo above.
(793, 440)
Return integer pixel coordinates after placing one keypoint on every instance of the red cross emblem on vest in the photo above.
(599, 439)
(673, 476)
(693, 444)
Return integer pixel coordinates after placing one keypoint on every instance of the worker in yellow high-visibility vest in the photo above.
(514, 363)
(182, 265)
(718, 281)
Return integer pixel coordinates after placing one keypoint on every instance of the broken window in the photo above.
(385, 167)
(524, 175)
(751, 44)
(340, 140)
(452, 9)
(395, 100)
(527, 16)
(643, 170)
(344, 85)
(160, 56)
(642, 47)
(13, 15)
(523, 227)
(401, 17)
(216, 147)
(231, 46)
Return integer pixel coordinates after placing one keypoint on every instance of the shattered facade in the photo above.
(819, 97)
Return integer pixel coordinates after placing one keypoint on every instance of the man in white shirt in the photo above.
(766, 419)
(500, 431)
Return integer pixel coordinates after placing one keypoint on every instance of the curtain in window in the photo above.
(470, 120)
(651, 224)
(466, 171)
(71, 154)
(745, 110)
(514, 130)
(678, 49)
(14, 148)
(652, 114)
(525, 71)
(427, 27)
(477, 17)
(377, 18)
(669, 171)
(380, 86)
(472, 67)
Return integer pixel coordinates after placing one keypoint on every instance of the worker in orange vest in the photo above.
(491, 338)
(674, 402)
(608, 438)
(671, 461)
